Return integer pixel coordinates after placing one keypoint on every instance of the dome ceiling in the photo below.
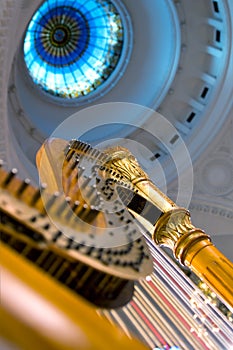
(177, 59)
(178, 65)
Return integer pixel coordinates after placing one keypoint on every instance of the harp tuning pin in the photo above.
(9, 177)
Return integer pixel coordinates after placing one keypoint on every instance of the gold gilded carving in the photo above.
(175, 230)
(121, 160)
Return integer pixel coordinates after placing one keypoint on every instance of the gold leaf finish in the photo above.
(121, 160)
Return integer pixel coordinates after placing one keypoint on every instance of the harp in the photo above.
(162, 302)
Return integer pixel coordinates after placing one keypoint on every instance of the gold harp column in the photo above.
(190, 245)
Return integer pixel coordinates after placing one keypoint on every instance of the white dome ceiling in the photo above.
(180, 65)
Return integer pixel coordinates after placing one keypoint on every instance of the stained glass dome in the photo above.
(71, 47)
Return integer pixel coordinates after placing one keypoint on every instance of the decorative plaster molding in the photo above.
(211, 209)
(7, 9)
(213, 172)
(14, 15)
(216, 174)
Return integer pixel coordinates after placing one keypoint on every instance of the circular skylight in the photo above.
(71, 47)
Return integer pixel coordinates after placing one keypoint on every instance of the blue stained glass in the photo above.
(71, 47)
